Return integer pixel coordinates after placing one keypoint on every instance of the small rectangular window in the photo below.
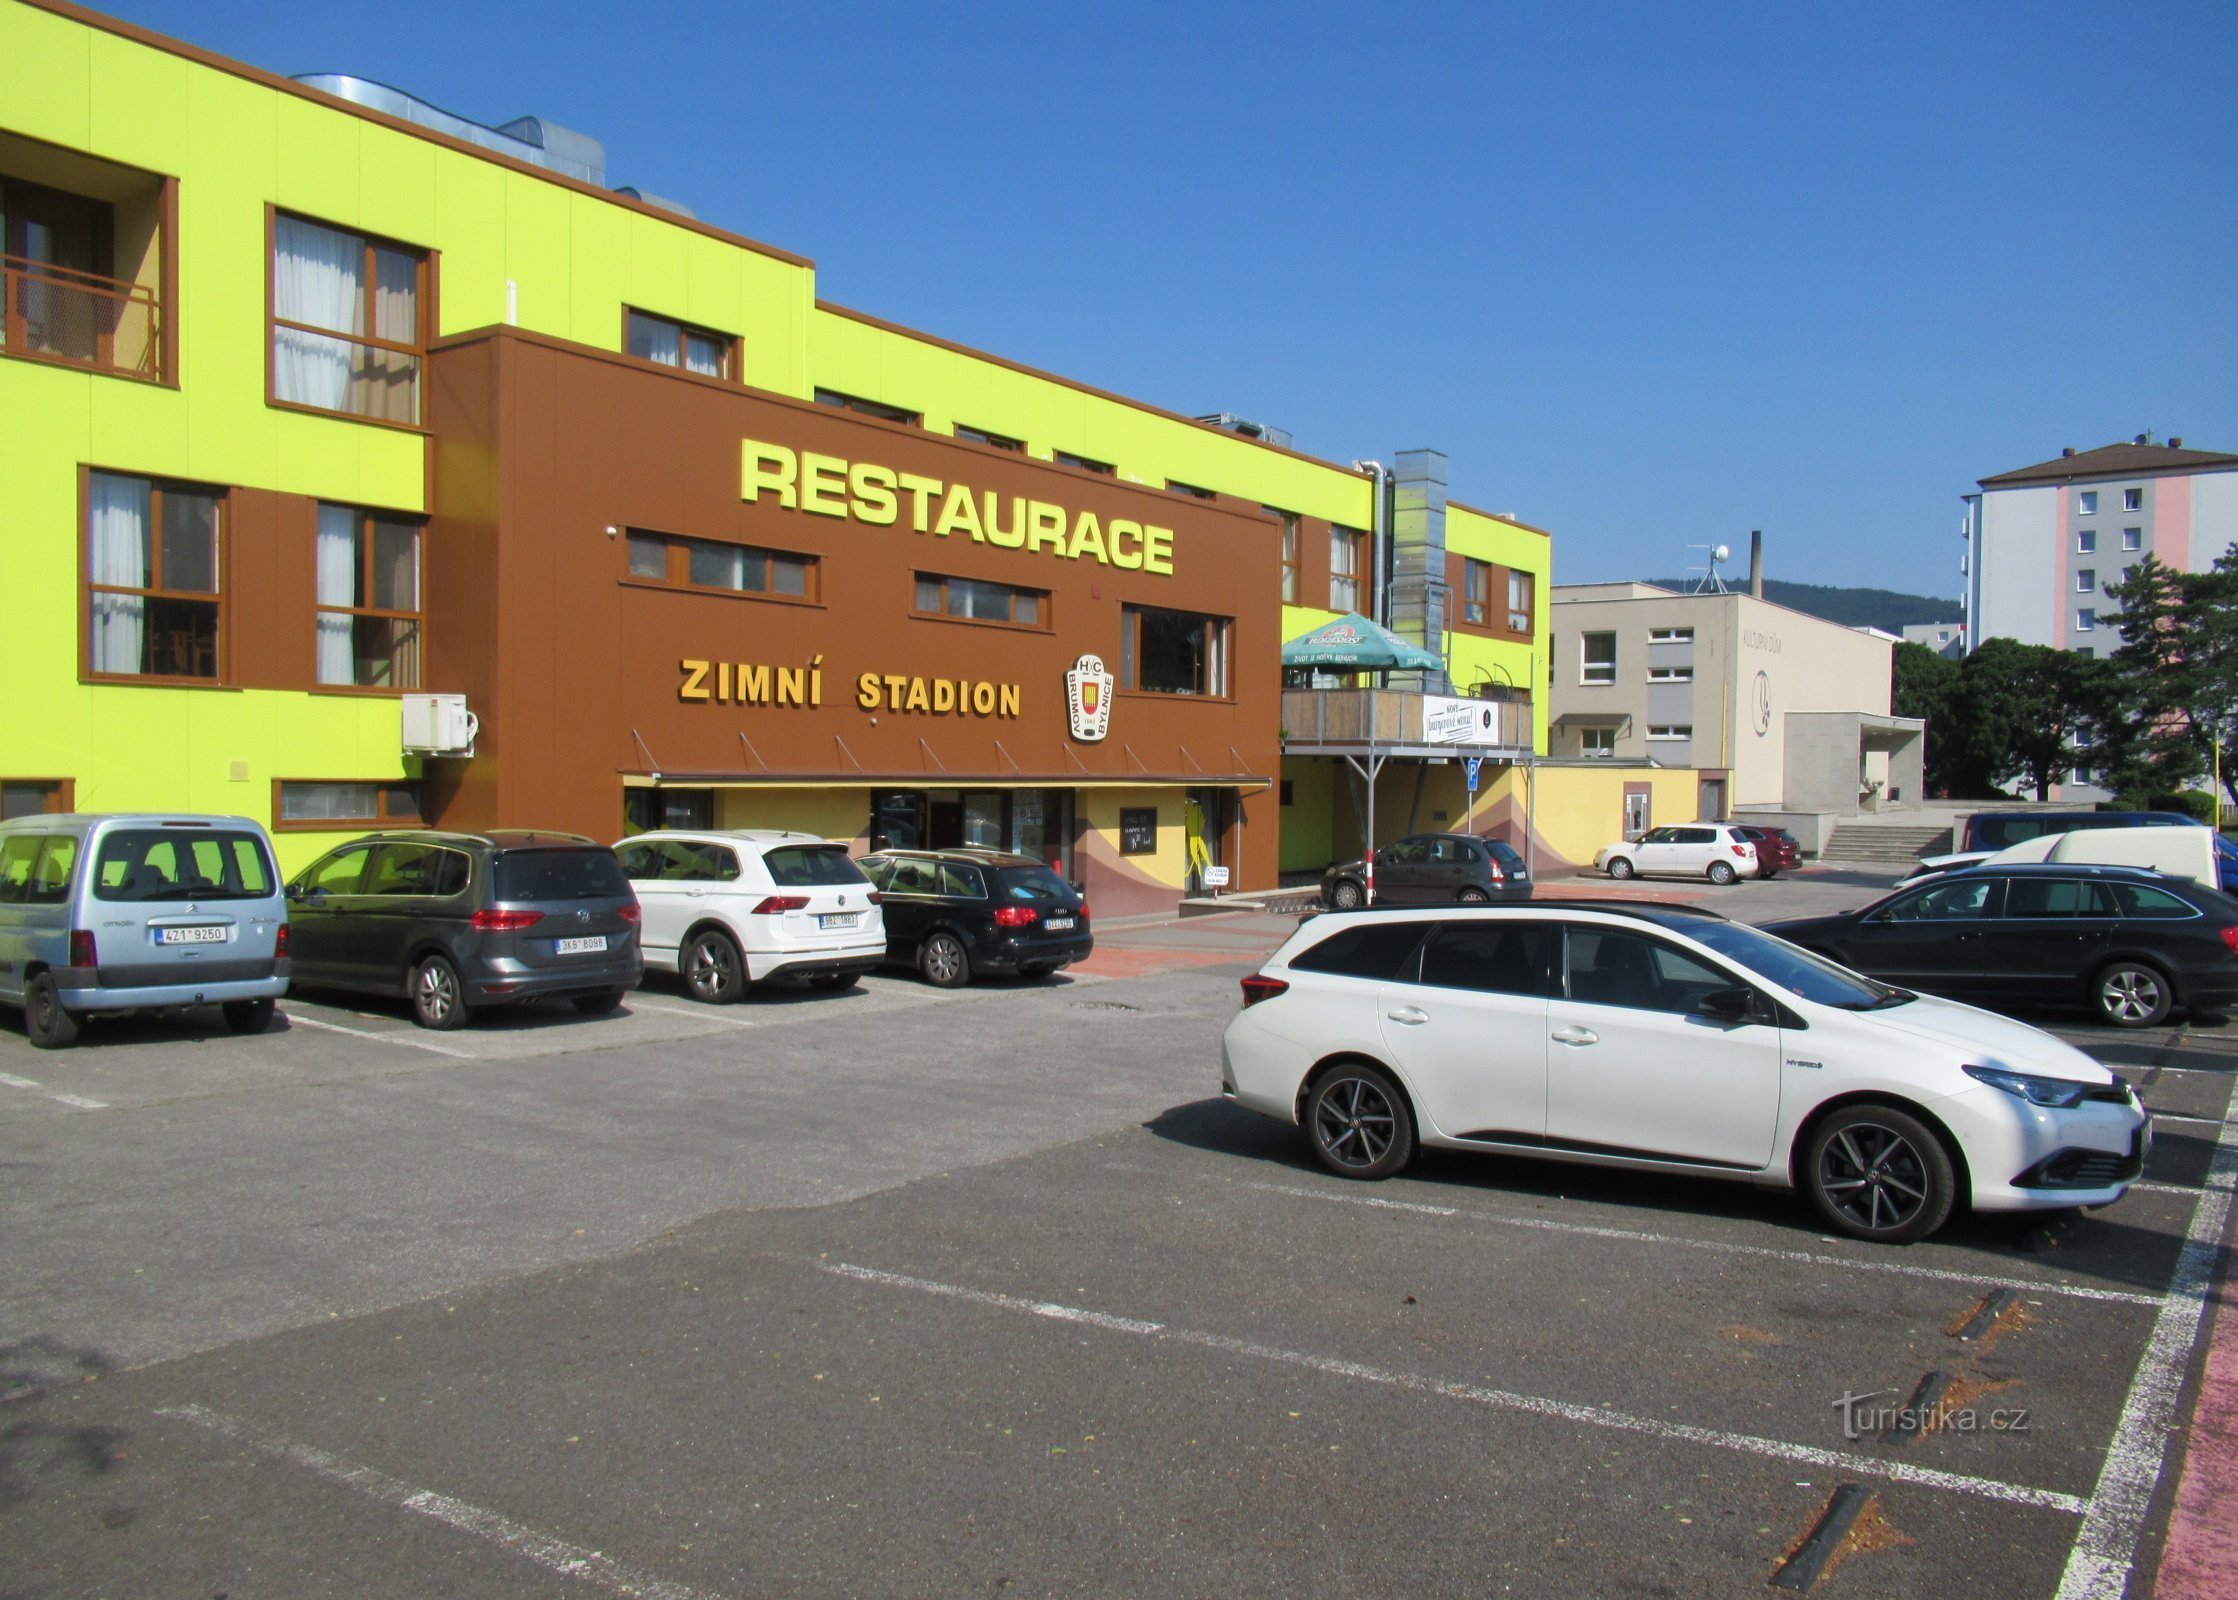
(1172, 652)
(1476, 593)
(1176, 486)
(1670, 674)
(670, 343)
(2133, 538)
(2133, 499)
(152, 563)
(2086, 541)
(2085, 620)
(975, 600)
(869, 408)
(1597, 658)
(1520, 585)
(2086, 580)
(1670, 636)
(32, 797)
(1347, 556)
(1289, 553)
(994, 441)
(1065, 458)
(2086, 503)
(349, 803)
(727, 568)
(349, 321)
(1597, 742)
(1662, 731)
(369, 611)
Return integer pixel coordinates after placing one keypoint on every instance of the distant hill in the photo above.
(1885, 609)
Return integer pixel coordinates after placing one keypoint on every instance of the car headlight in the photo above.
(2059, 1092)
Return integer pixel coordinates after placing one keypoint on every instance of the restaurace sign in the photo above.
(865, 492)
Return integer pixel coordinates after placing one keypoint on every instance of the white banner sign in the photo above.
(1448, 721)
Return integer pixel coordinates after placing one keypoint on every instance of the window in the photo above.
(1476, 592)
(1172, 652)
(368, 599)
(1670, 636)
(2085, 620)
(2127, 573)
(1950, 902)
(1138, 830)
(1346, 547)
(417, 869)
(1380, 951)
(733, 568)
(1519, 601)
(2086, 580)
(2086, 503)
(1670, 674)
(1289, 554)
(347, 804)
(2133, 538)
(160, 863)
(679, 344)
(994, 441)
(152, 566)
(1598, 742)
(2133, 499)
(2085, 651)
(1490, 957)
(1670, 730)
(67, 270)
(1597, 658)
(1615, 967)
(348, 321)
(646, 809)
(1065, 458)
(2086, 541)
(33, 797)
(1176, 486)
(869, 408)
(978, 601)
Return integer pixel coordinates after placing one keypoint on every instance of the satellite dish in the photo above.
(1722, 554)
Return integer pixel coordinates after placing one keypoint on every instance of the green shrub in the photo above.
(2191, 802)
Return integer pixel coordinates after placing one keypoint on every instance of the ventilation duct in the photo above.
(1249, 429)
(530, 139)
(1418, 588)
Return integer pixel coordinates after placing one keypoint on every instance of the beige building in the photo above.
(1778, 710)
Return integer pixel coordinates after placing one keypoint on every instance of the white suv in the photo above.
(1717, 851)
(728, 908)
(1667, 1039)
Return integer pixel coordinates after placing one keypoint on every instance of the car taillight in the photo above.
(2229, 940)
(773, 904)
(876, 898)
(503, 921)
(83, 952)
(1016, 916)
(280, 942)
(1260, 987)
(630, 913)
(1744, 851)
(1497, 875)
(1083, 912)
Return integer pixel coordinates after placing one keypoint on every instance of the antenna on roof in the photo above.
(1710, 582)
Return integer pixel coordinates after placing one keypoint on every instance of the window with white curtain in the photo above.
(348, 331)
(152, 565)
(679, 344)
(369, 614)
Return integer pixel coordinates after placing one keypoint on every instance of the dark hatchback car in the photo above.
(953, 914)
(2127, 944)
(456, 921)
(1777, 850)
(1431, 867)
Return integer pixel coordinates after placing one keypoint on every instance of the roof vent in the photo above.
(2067, 450)
(2142, 438)
(662, 201)
(1249, 429)
(2176, 442)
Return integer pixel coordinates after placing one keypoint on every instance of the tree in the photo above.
(2178, 669)
(2021, 707)
(1926, 686)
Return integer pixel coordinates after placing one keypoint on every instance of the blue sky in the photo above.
(1651, 275)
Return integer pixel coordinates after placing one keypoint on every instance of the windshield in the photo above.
(1800, 973)
(813, 866)
(173, 864)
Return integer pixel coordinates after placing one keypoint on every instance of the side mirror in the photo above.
(294, 892)
(1728, 1005)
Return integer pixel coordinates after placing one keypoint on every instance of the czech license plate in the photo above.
(579, 947)
(1058, 924)
(838, 919)
(191, 935)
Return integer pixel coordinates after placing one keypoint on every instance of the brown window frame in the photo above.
(863, 406)
(1065, 458)
(61, 797)
(383, 817)
(423, 303)
(1530, 609)
(161, 364)
(993, 441)
(1217, 654)
(1476, 592)
(1041, 597)
(1355, 542)
(365, 517)
(732, 346)
(88, 588)
(1176, 486)
(1290, 585)
(677, 578)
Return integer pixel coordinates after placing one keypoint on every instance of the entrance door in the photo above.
(1635, 812)
(1205, 815)
(1712, 807)
(59, 240)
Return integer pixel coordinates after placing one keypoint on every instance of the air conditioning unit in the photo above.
(438, 725)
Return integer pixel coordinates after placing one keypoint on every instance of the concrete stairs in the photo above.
(1884, 843)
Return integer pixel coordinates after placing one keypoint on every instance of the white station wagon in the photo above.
(1717, 851)
(1663, 1038)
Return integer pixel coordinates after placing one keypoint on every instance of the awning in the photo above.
(1353, 643)
(1594, 719)
(1243, 782)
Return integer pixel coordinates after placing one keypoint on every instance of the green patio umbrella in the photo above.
(1354, 644)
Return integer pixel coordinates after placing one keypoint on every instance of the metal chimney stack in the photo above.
(1418, 585)
(1756, 562)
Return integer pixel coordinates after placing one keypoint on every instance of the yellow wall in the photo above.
(1576, 810)
(1473, 659)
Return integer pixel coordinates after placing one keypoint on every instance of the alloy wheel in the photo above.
(1873, 1176)
(2132, 997)
(435, 992)
(1354, 1123)
(711, 968)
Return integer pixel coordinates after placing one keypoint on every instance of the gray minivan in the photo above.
(130, 912)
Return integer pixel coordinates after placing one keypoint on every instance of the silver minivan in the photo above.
(131, 912)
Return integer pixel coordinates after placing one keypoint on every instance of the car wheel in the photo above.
(832, 980)
(714, 971)
(1346, 896)
(942, 960)
(248, 1016)
(2131, 994)
(1722, 873)
(47, 1022)
(1472, 896)
(1881, 1174)
(1620, 866)
(437, 1000)
(1358, 1123)
(599, 1003)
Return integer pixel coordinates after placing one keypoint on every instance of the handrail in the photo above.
(50, 312)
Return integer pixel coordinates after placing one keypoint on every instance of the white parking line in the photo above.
(406, 1040)
(2171, 1116)
(79, 1102)
(1721, 1247)
(699, 1014)
(553, 1555)
(1502, 1399)
(2098, 1567)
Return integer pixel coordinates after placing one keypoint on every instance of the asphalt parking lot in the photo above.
(912, 1292)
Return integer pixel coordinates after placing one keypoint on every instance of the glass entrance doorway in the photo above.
(1032, 822)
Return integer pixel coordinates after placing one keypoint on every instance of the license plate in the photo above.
(1058, 924)
(838, 919)
(579, 947)
(190, 935)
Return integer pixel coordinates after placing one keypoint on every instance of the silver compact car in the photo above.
(110, 914)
